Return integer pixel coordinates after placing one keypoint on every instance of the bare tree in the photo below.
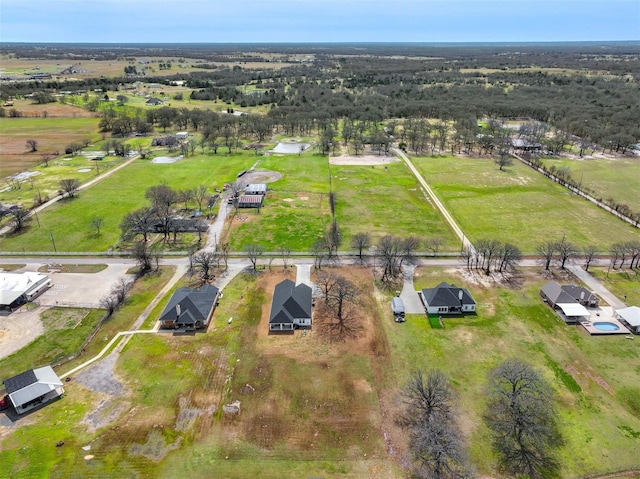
(142, 254)
(96, 223)
(508, 258)
(19, 218)
(199, 194)
(633, 250)
(70, 186)
(326, 280)
(409, 246)
(523, 420)
(547, 250)
(32, 145)
(338, 319)
(222, 249)
(434, 244)
(138, 222)
(390, 253)
(503, 159)
(566, 250)
(204, 263)
(254, 251)
(319, 249)
(284, 253)
(435, 440)
(360, 242)
(120, 290)
(589, 252)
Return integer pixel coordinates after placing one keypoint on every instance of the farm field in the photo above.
(115, 196)
(382, 200)
(615, 178)
(311, 408)
(52, 135)
(517, 205)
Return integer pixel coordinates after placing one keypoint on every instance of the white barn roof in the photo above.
(32, 384)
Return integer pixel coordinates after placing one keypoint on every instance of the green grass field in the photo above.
(315, 409)
(111, 199)
(517, 205)
(624, 283)
(65, 329)
(607, 178)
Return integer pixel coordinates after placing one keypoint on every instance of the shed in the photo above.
(630, 317)
(182, 135)
(34, 387)
(250, 201)
(256, 189)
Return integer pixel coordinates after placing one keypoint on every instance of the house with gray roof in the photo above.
(291, 306)
(28, 390)
(447, 299)
(190, 308)
(569, 299)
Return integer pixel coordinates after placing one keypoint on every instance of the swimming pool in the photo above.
(606, 326)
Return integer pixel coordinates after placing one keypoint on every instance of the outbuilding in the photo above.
(630, 317)
(19, 288)
(34, 387)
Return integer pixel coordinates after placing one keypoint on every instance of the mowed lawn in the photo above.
(615, 178)
(595, 378)
(385, 200)
(69, 220)
(52, 135)
(517, 205)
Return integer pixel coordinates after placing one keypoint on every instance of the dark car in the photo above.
(4, 403)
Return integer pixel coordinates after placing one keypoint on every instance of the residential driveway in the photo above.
(83, 289)
(19, 329)
(595, 286)
(409, 295)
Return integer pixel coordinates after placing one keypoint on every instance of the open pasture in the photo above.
(615, 178)
(52, 135)
(595, 378)
(69, 220)
(517, 205)
(382, 200)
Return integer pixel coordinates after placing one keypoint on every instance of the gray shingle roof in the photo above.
(188, 305)
(447, 295)
(568, 293)
(290, 302)
(31, 384)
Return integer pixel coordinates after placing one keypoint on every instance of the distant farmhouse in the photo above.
(256, 189)
(32, 388)
(447, 299)
(154, 102)
(250, 201)
(190, 308)
(569, 300)
(20, 288)
(291, 307)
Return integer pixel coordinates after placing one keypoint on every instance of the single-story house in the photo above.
(154, 102)
(447, 299)
(555, 293)
(572, 300)
(256, 189)
(19, 288)
(290, 307)
(523, 144)
(182, 135)
(250, 201)
(190, 308)
(30, 389)
(630, 317)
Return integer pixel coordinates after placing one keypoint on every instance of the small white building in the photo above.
(182, 135)
(630, 317)
(18, 288)
(32, 388)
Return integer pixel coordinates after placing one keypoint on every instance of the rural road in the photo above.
(466, 244)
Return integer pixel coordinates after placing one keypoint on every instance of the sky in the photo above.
(313, 21)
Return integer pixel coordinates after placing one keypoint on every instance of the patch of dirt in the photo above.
(261, 176)
(156, 448)
(362, 160)
(583, 377)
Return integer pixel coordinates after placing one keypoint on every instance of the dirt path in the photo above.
(20, 328)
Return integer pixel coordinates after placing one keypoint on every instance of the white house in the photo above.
(447, 299)
(30, 389)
